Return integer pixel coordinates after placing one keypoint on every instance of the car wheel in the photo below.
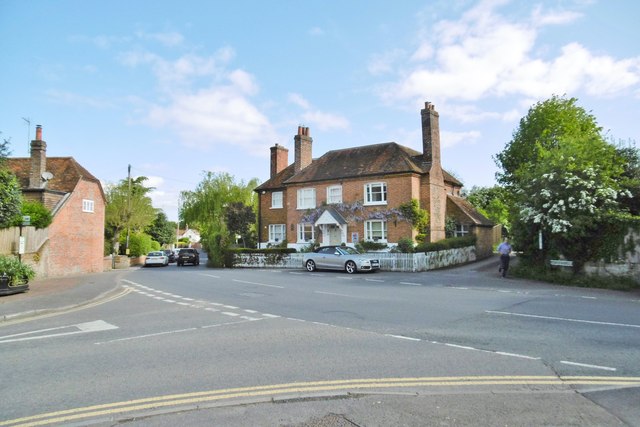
(310, 265)
(350, 267)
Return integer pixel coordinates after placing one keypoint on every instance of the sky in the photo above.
(178, 89)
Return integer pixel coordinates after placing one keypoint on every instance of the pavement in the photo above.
(58, 294)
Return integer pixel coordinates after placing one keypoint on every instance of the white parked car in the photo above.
(156, 258)
(340, 258)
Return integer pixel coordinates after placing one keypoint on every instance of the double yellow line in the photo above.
(305, 388)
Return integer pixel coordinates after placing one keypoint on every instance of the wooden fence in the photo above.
(10, 239)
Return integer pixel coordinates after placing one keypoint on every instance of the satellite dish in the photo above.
(46, 176)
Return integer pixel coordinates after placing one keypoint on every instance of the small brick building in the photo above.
(351, 195)
(74, 241)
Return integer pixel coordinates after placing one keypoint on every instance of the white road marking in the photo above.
(411, 283)
(258, 284)
(210, 275)
(374, 280)
(334, 294)
(403, 337)
(80, 328)
(522, 356)
(584, 365)
(592, 322)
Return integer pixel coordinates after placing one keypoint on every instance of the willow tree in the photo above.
(128, 207)
(205, 207)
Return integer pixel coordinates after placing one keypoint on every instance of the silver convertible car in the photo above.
(339, 258)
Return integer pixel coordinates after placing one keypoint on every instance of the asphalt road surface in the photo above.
(197, 346)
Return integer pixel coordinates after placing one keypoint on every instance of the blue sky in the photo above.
(178, 88)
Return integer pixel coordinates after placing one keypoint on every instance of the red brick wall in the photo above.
(271, 215)
(76, 238)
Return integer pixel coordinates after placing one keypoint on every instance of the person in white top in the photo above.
(504, 249)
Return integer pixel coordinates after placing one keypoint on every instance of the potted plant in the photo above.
(14, 275)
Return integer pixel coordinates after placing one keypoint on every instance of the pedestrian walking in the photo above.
(504, 249)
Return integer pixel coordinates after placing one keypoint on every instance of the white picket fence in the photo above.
(388, 261)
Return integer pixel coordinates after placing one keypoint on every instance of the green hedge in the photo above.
(450, 243)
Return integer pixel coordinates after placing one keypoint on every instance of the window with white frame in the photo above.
(306, 233)
(462, 230)
(277, 232)
(375, 231)
(87, 205)
(306, 198)
(375, 193)
(276, 200)
(334, 194)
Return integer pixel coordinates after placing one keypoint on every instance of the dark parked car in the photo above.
(340, 258)
(169, 253)
(188, 256)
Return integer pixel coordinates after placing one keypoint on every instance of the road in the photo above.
(180, 338)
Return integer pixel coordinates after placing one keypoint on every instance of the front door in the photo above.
(335, 235)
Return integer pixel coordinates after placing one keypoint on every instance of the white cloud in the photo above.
(325, 121)
(485, 54)
(321, 119)
(75, 100)
(169, 39)
(299, 100)
(450, 139)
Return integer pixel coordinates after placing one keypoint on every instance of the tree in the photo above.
(204, 208)
(542, 128)
(128, 207)
(239, 218)
(564, 180)
(161, 229)
(40, 216)
(10, 193)
(491, 202)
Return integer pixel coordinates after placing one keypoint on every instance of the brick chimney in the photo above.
(38, 160)
(430, 133)
(437, 190)
(302, 142)
(279, 159)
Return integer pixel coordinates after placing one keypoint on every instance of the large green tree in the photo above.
(239, 219)
(129, 207)
(565, 182)
(10, 194)
(546, 123)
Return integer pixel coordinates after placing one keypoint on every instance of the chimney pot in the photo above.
(38, 133)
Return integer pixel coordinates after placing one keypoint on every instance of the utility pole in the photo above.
(28, 120)
(126, 248)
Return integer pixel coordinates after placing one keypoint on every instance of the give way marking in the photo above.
(60, 331)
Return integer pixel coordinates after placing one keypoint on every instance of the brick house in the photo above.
(350, 195)
(75, 237)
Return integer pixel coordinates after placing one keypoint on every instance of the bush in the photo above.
(451, 243)
(40, 216)
(18, 272)
(139, 244)
(370, 246)
(405, 246)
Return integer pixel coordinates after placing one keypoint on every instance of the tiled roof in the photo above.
(369, 160)
(468, 209)
(66, 173)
